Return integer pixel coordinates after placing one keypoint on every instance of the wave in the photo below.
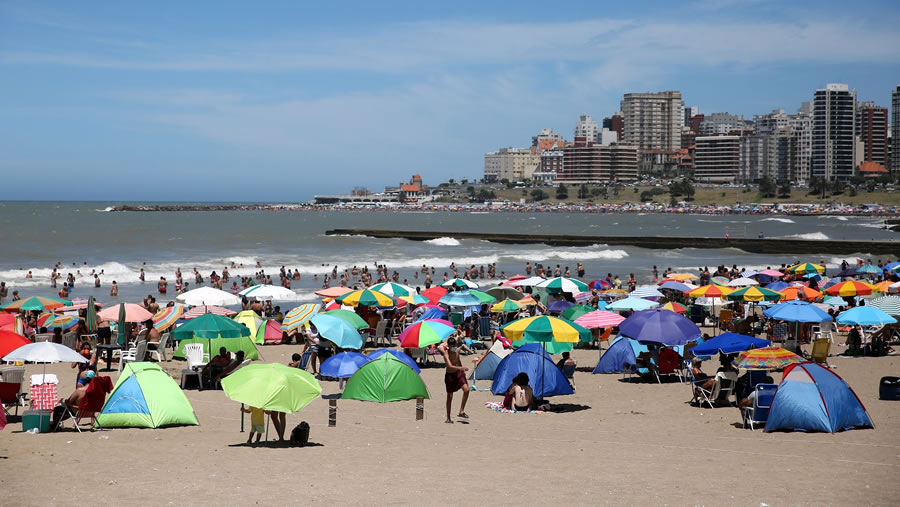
(782, 220)
(836, 217)
(809, 235)
(443, 241)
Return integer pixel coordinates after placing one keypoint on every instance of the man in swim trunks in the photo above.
(455, 378)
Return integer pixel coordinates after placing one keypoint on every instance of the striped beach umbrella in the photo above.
(459, 283)
(366, 297)
(415, 299)
(299, 316)
(674, 307)
(563, 284)
(166, 318)
(426, 332)
(850, 288)
(753, 294)
(719, 280)
(394, 289)
(54, 320)
(80, 304)
(800, 292)
(834, 301)
(599, 319)
(199, 311)
(573, 312)
(709, 291)
(600, 285)
(767, 358)
(484, 297)
(39, 303)
(267, 292)
(648, 291)
(543, 328)
(506, 306)
(888, 304)
(742, 282)
(806, 267)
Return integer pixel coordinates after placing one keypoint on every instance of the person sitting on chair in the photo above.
(565, 361)
(295, 360)
(751, 398)
(216, 365)
(70, 404)
(232, 366)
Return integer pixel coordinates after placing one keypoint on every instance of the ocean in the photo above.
(37, 235)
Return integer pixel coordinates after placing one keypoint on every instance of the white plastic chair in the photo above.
(135, 354)
(196, 359)
(159, 350)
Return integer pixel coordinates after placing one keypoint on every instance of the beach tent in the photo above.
(487, 365)
(384, 380)
(146, 397)
(253, 322)
(375, 354)
(813, 398)
(532, 360)
(620, 352)
(270, 334)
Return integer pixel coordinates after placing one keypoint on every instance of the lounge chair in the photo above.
(94, 399)
(820, 351)
(381, 333)
(669, 361)
(758, 412)
(720, 391)
(484, 327)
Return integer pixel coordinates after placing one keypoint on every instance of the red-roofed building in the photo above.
(872, 169)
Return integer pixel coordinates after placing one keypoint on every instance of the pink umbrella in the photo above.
(197, 311)
(133, 313)
(772, 273)
(599, 318)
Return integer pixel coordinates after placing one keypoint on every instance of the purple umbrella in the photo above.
(660, 327)
(558, 306)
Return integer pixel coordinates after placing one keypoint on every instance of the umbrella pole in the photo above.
(242, 417)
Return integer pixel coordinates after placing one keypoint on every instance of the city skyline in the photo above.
(187, 102)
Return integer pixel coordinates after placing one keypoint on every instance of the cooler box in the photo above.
(39, 419)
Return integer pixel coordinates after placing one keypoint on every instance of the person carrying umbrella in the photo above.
(455, 378)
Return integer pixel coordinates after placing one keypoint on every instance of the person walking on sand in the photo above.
(455, 378)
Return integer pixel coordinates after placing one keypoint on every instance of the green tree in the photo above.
(785, 191)
(538, 194)
(767, 187)
(562, 192)
(583, 191)
(837, 187)
(504, 181)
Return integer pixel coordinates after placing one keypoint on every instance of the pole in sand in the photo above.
(332, 413)
(420, 408)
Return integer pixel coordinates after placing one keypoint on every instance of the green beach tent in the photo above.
(383, 380)
(214, 332)
(146, 397)
(253, 322)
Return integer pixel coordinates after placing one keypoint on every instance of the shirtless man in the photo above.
(455, 378)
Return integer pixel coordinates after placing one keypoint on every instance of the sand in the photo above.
(623, 444)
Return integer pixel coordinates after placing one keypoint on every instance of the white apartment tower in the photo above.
(586, 128)
(834, 133)
(653, 120)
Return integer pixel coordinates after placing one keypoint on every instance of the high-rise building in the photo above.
(773, 122)
(717, 159)
(586, 127)
(653, 120)
(616, 123)
(872, 129)
(513, 164)
(690, 112)
(546, 137)
(895, 131)
(834, 133)
(585, 161)
(722, 124)
(801, 146)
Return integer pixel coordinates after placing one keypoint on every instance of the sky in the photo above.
(281, 100)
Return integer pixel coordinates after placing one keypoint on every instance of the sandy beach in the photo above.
(620, 443)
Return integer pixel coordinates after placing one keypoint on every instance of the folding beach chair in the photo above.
(11, 395)
(95, 397)
(758, 412)
(484, 327)
(820, 351)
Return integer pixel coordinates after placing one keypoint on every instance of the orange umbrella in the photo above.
(850, 288)
(883, 286)
(674, 307)
(800, 292)
(333, 292)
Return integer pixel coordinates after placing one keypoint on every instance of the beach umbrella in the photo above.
(573, 312)
(674, 307)
(35, 303)
(205, 296)
(121, 325)
(600, 285)
(337, 331)
(750, 273)
(375, 354)
(384, 380)
(659, 327)
(549, 347)
(343, 365)
(559, 306)
(891, 266)
(77, 304)
(366, 297)
(778, 286)
(865, 316)
(849, 272)
(742, 282)
(44, 352)
(631, 304)
(544, 328)
(505, 293)
(199, 311)
(394, 289)
(332, 292)
(753, 294)
(729, 343)
(767, 358)
(868, 269)
(800, 292)
(719, 280)
(850, 288)
(415, 299)
(484, 297)
(673, 285)
(506, 306)
(166, 318)
(433, 313)
(435, 293)
(806, 267)
(55, 320)
(681, 277)
(613, 293)
(210, 326)
(266, 292)
(425, 332)
(883, 286)
(834, 301)
(531, 281)
(460, 298)
(90, 315)
(527, 300)
(562, 284)
(275, 387)
(772, 273)
(352, 318)
(888, 304)
(133, 313)
(709, 291)
(10, 341)
(796, 311)
(646, 292)
(599, 319)
(582, 297)
(299, 316)
(459, 283)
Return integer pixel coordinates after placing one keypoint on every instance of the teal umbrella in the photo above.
(337, 331)
(122, 326)
(209, 325)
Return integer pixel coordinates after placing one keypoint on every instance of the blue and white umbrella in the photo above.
(647, 291)
(631, 303)
(460, 298)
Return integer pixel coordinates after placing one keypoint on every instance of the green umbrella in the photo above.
(351, 318)
(484, 297)
(383, 380)
(90, 319)
(506, 306)
(209, 325)
(549, 347)
(122, 326)
(272, 387)
(575, 311)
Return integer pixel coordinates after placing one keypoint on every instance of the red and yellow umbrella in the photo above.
(800, 292)
(674, 307)
(709, 291)
(850, 288)
(681, 277)
(768, 358)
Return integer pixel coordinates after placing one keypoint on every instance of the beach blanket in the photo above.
(496, 406)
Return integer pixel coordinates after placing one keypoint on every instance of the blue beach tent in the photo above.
(486, 367)
(814, 398)
(544, 377)
(620, 352)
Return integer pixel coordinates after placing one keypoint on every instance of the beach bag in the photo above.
(300, 434)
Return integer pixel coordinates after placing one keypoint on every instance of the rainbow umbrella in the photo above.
(352, 318)
(53, 321)
(543, 328)
(298, 316)
(40, 303)
(166, 318)
(719, 280)
(599, 319)
(674, 307)
(767, 358)
(806, 267)
(850, 288)
(415, 299)
(394, 289)
(795, 292)
(426, 332)
(753, 293)
(709, 291)
(506, 306)
(366, 297)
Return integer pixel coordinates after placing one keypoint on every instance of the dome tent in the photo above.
(146, 397)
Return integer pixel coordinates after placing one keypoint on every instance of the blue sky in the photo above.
(281, 100)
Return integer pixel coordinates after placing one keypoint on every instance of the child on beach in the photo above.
(257, 422)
